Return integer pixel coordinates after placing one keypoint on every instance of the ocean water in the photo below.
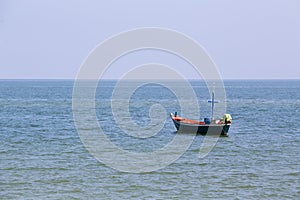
(43, 157)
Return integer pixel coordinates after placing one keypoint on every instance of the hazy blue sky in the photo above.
(246, 39)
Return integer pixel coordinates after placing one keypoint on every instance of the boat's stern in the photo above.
(175, 120)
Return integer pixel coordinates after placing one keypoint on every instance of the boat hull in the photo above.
(203, 129)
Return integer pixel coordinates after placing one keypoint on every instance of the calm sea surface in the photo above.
(42, 156)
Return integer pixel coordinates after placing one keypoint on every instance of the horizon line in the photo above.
(111, 79)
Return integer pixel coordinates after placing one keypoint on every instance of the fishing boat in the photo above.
(208, 126)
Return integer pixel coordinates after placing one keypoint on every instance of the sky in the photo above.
(250, 39)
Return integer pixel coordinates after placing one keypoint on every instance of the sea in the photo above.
(44, 156)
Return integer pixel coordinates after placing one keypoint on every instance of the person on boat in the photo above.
(227, 118)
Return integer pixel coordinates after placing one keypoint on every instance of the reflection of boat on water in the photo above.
(211, 126)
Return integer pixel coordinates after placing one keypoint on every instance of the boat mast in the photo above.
(212, 101)
(212, 105)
